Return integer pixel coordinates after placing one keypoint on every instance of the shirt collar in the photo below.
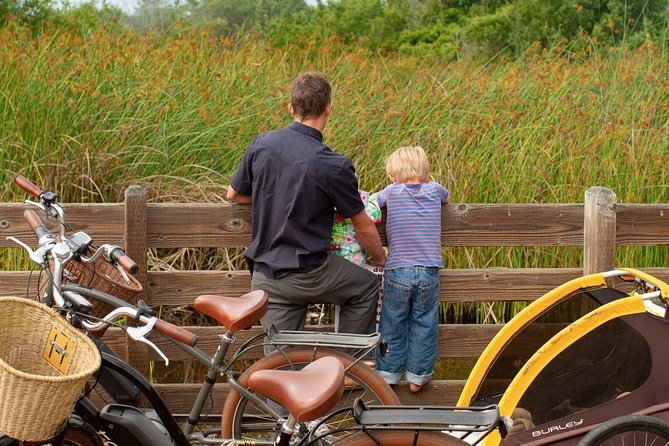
(305, 129)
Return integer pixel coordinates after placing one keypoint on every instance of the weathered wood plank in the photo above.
(182, 287)
(215, 225)
(455, 340)
(180, 397)
(468, 225)
(512, 225)
(17, 283)
(212, 225)
(136, 353)
(501, 284)
(599, 246)
(435, 393)
(460, 285)
(642, 224)
(178, 288)
(102, 221)
(172, 225)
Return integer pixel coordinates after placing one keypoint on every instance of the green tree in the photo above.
(36, 14)
(227, 16)
(631, 20)
(32, 13)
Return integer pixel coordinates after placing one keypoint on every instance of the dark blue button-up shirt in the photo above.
(295, 182)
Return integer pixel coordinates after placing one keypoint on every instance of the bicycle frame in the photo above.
(217, 365)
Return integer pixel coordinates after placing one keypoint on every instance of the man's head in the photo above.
(310, 95)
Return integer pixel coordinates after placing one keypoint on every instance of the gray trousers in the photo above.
(337, 281)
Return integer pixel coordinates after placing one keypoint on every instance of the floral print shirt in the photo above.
(344, 242)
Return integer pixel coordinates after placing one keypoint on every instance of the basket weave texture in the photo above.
(102, 276)
(35, 398)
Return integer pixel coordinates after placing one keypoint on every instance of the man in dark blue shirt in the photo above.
(295, 182)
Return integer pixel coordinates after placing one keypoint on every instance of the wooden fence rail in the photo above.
(598, 226)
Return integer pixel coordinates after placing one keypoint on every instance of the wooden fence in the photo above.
(599, 226)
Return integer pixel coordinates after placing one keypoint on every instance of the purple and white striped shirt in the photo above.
(413, 223)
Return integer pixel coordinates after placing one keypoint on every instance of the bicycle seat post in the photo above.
(287, 431)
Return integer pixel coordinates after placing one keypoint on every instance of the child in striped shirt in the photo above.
(410, 310)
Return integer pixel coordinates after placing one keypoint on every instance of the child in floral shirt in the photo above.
(344, 242)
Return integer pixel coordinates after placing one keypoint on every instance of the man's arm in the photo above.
(236, 197)
(369, 239)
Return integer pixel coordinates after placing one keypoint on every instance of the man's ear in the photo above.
(328, 109)
(291, 109)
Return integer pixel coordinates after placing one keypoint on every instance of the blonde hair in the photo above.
(408, 163)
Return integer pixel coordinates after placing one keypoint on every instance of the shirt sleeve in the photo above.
(242, 180)
(443, 192)
(382, 198)
(372, 208)
(345, 191)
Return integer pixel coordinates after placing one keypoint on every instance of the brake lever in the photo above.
(47, 210)
(38, 256)
(139, 334)
(123, 273)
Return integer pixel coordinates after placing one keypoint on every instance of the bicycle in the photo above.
(307, 394)
(246, 415)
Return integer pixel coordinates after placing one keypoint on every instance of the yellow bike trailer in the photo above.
(594, 349)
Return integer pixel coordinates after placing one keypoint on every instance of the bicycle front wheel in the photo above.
(73, 436)
(82, 437)
(243, 420)
(401, 438)
(638, 430)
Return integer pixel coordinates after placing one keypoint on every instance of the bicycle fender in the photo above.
(119, 387)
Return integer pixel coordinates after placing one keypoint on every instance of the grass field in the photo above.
(88, 116)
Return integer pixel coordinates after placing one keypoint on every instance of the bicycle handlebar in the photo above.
(168, 329)
(36, 224)
(175, 332)
(27, 186)
(117, 255)
(114, 254)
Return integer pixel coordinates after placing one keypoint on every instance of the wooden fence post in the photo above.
(136, 247)
(599, 230)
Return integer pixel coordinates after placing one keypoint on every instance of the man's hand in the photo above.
(369, 239)
(236, 197)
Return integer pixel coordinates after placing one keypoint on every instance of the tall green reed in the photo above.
(88, 116)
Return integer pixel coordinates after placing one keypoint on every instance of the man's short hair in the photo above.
(310, 95)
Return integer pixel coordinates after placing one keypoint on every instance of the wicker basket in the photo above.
(102, 276)
(44, 364)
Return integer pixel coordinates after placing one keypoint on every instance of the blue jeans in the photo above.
(410, 324)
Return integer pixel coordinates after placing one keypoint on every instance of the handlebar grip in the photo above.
(128, 264)
(117, 255)
(176, 332)
(35, 224)
(27, 185)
